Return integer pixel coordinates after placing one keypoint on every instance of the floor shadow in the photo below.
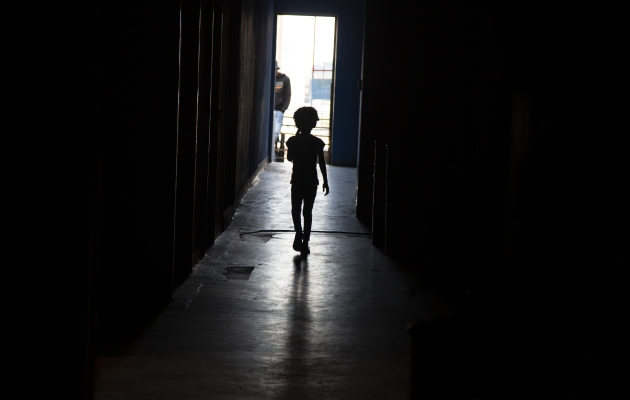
(296, 363)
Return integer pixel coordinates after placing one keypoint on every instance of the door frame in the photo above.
(334, 77)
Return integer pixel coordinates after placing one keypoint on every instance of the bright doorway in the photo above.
(305, 51)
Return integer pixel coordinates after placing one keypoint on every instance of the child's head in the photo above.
(305, 118)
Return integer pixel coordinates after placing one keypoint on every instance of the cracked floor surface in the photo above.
(257, 321)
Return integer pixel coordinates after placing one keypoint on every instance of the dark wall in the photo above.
(248, 69)
(345, 139)
(190, 89)
(265, 73)
(432, 171)
(562, 188)
(492, 178)
(181, 98)
(137, 68)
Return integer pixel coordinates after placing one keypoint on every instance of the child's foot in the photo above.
(305, 248)
(297, 242)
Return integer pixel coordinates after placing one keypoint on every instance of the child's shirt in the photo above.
(303, 149)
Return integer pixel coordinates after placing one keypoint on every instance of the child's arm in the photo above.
(322, 167)
(289, 152)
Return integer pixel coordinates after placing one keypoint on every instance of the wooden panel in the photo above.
(186, 140)
(203, 130)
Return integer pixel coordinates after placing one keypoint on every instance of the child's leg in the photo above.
(309, 200)
(296, 205)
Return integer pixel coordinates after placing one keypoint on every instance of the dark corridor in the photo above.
(480, 170)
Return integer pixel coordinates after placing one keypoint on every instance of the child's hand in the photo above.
(325, 188)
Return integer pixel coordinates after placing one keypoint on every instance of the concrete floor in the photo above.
(257, 321)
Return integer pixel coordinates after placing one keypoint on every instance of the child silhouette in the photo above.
(303, 150)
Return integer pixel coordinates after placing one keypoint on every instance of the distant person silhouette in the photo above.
(304, 150)
(282, 98)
